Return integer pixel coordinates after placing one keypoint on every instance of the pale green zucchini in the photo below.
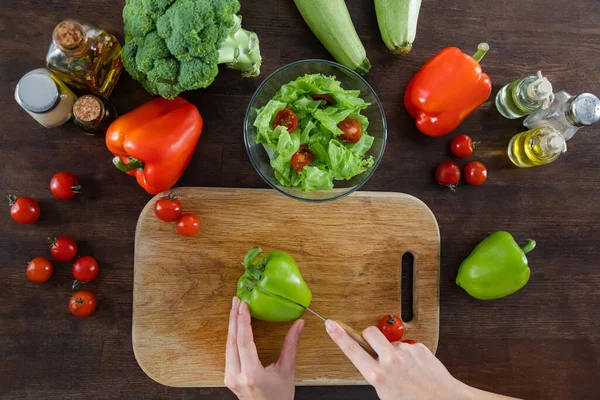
(398, 23)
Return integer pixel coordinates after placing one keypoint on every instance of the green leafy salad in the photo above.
(314, 133)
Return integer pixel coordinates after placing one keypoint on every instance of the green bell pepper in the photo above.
(273, 286)
(496, 268)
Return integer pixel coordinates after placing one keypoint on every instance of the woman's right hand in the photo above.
(403, 371)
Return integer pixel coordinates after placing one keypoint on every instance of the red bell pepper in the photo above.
(447, 89)
(155, 142)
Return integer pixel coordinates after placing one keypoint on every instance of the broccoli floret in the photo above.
(176, 45)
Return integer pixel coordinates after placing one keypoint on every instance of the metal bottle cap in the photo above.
(584, 110)
(37, 92)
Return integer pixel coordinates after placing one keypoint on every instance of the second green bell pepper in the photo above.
(496, 268)
(273, 286)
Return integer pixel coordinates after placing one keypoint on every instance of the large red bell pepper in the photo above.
(155, 142)
(446, 90)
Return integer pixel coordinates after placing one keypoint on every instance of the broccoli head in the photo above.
(176, 45)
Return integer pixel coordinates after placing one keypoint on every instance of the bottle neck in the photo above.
(552, 142)
(70, 37)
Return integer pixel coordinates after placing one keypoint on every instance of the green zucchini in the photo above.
(330, 22)
(398, 23)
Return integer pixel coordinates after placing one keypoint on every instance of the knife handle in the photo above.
(358, 339)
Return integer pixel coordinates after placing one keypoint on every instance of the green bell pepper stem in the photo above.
(482, 48)
(133, 164)
(530, 245)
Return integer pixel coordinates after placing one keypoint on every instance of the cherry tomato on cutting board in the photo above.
(287, 118)
(63, 249)
(462, 146)
(448, 174)
(352, 131)
(39, 269)
(475, 173)
(188, 225)
(392, 327)
(324, 96)
(82, 303)
(65, 186)
(302, 158)
(85, 269)
(24, 210)
(168, 209)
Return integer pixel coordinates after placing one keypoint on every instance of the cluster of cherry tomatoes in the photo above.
(448, 172)
(169, 209)
(26, 210)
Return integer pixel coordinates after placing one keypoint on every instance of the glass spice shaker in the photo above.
(85, 57)
(45, 98)
(93, 114)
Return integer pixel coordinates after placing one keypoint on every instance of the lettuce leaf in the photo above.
(264, 120)
(314, 178)
(361, 147)
(344, 164)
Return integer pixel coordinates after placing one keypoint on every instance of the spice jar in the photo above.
(48, 100)
(93, 114)
(85, 57)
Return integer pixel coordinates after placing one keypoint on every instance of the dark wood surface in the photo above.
(542, 342)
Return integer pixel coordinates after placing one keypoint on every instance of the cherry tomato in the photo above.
(448, 174)
(392, 327)
(24, 210)
(324, 96)
(462, 146)
(39, 269)
(409, 341)
(287, 118)
(65, 186)
(82, 303)
(85, 269)
(63, 249)
(302, 158)
(475, 173)
(168, 209)
(188, 225)
(352, 130)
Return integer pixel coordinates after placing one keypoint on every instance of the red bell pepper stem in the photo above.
(530, 245)
(130, 166)
(482, 48)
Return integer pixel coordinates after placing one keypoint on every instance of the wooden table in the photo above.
(542, 342)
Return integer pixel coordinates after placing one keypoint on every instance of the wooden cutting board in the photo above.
(349, 252)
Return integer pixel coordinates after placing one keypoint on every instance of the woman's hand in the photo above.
(244, 374)
(403, 371)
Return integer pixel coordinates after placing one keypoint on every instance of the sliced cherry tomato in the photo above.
(392, 327)
(65, 186)
(63, 249)
(24, 210)
(448, 174)
(409, 341)
(352, 131)
(287, 118)
(168, 209)
(462, 146)
(39, 269)
(475, 173)
(82, 303)
(188, 225)
(323, 96)
(85, 269)
(302, 158)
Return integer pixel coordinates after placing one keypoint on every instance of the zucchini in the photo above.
(330, 21)
(397, 21)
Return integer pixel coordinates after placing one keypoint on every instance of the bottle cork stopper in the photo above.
(87, 108)
(69, 34)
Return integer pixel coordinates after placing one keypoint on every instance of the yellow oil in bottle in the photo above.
(535, 147)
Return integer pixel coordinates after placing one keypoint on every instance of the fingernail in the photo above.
(330, 326)
(235, 302)
(300, 326)
(243, 305)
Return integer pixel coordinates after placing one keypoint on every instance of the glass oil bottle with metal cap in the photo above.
(524, 96)
(45, 98)
(93, 114)
(85, 57)
(535, 147)
(567, 114)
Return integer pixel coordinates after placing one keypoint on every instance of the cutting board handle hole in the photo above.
(406, 289)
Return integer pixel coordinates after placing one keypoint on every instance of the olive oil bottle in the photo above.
(535, 147)
(524, 96)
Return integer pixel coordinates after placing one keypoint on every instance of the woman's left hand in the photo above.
(244, 373)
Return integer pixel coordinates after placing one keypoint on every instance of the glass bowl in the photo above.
(350, 80)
